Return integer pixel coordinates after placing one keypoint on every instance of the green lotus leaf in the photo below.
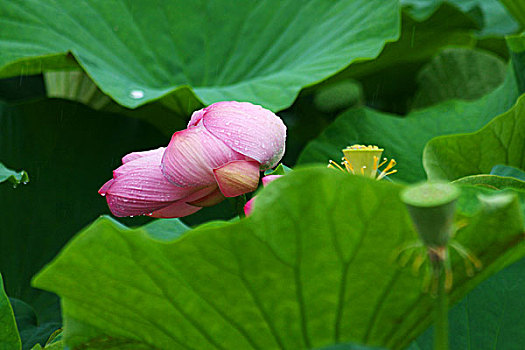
(509, 171)
(517, 9)
(458, 73)
(502, 141)
(492, 17)
(492, 181)
(9, 338)
(210, 51)
(295, 274)
(15, 177)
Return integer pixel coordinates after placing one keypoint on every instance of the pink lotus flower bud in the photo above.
(227, 145)
(248, 207)
(139, 188)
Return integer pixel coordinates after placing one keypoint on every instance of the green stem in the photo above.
(240, 201)
(441, 309)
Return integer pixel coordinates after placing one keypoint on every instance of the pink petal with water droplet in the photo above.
(135, 155)
(248, 129)
(191, 156)
(105, 187)
(140, 162)
(175, 210)
(139, 188)
(248, 207)
(269, 178)
(237, 177)
(185, 206)
(196, 117)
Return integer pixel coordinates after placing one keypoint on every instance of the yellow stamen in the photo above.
(390, 165)
(348, 166)
(366, 159)
(334, 165)
(382, 163)
(386, 172)
(376, 161)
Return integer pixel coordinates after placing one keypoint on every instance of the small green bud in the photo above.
(432, 207)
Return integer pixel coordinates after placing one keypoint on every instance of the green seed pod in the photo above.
(432, 207)
(363, 160)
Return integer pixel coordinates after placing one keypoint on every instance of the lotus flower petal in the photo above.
(175, 210)
(210, 200)
(191, 156)
(105, 187)
(269, 178)
(145, 182)
(144, 162)
(139, 188)
(123, 205)
(237, 177)
(196, 117)
(248, 207)
(135, 155)
(248, 129)
(185, 206)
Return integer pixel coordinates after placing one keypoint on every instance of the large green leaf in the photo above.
(502, 141)
(405, 138)
(505, 170)
(489, 317)
(516, 44)
(348, 346)
(491, 15)
(517, 8)
(492, 181)
(166, 230)
(76, 85)
(458, 73)
(295, 274)
(9, 338)
(31, 331)
(70, 151)
(263, 52)
(15, 177)
(420, 40)
(389, 80)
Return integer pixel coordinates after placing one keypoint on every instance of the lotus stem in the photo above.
(439, 271)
